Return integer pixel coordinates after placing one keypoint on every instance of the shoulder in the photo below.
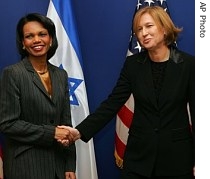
(182, 58)
(137, 58)
(135, 64)
(188, 59)
(16, 65)
(186, 55)
(57, 69)
(179, 56)
(14, 68)
(13, 74)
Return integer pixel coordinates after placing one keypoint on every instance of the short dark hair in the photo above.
(47, 24)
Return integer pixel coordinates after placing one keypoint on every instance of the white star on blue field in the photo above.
(73, 85)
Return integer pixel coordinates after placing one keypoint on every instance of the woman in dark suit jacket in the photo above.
(161, 78)
(34, 100)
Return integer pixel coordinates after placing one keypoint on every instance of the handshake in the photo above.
(66, 135)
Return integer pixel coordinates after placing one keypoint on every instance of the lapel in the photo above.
(37, 81)
(171, 74)
(55, 82)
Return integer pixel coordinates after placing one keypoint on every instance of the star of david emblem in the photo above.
(73, 85)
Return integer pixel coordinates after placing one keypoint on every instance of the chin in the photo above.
(148, 48)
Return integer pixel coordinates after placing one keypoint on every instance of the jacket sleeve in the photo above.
(191, 93)
(108, 109)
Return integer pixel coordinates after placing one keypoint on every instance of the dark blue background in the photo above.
(104, 30)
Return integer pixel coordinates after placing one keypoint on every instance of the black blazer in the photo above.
(28, 117)
(160, 138)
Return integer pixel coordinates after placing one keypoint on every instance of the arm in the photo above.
(191, 97)
(109, 107)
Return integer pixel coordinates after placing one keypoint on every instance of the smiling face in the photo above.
(149, 34)
(36, 39)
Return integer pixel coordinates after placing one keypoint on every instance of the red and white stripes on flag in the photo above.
(123, 122)
(125, 115)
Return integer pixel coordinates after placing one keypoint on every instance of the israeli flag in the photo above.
(68, 57)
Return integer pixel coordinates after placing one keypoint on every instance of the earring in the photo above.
(24, 47)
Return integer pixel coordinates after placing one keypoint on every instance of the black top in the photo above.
(158, 74)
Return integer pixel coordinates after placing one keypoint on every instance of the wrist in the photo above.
(78, 136)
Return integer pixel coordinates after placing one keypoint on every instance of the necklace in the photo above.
(42, 72)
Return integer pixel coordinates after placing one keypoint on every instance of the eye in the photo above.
(28, 36)
(43, 34)
(149, 25)
(139, 29)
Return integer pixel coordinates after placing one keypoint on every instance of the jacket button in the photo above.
(156, 130)
(51, 121)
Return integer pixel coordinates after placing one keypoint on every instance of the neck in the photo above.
(42, 72)
(39, 65)
(160, 55)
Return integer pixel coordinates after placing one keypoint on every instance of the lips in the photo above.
(37, 48)
(146, 41)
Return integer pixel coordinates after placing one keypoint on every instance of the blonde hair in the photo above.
(162, 20)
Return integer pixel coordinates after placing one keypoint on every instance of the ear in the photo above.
(164, 31)
(23, 45)
(51, 41)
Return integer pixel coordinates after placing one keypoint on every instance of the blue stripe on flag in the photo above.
(65, 12)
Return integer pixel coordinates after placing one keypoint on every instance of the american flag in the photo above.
(125, 115)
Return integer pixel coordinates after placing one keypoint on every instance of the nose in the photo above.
(36, 39)
(144, 31)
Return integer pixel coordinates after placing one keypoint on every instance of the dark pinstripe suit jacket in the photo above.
(28, 117)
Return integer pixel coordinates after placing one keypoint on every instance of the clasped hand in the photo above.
(66, 135)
